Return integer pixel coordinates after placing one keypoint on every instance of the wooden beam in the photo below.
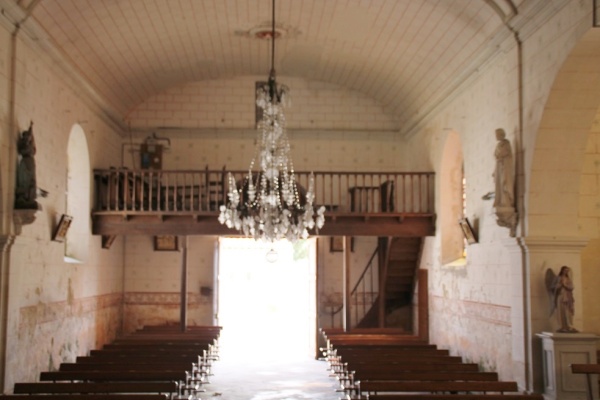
(150, 223)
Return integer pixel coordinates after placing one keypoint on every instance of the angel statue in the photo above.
(560, 288)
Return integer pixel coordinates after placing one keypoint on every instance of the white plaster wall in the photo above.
(319, 150)
(153, 282)
(469, 306)
(472, 309)
(56, 310)
(330, 128)
(227, 104)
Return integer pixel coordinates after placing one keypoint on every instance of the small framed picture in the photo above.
(60, 233)
(165, 243)
(337, 244)
(467, 230)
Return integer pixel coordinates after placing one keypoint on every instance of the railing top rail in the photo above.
(181, 171)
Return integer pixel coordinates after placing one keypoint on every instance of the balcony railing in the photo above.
(203, 191)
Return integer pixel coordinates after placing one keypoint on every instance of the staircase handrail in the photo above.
(369, 263)
(360, 279)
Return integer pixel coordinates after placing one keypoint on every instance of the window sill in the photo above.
(456, 264)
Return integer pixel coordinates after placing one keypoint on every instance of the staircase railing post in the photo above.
(347, 289)
(383, 261)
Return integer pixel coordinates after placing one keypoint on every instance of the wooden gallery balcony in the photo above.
(156, 202)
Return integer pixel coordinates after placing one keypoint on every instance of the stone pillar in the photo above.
(520, 314)
(559, 351)
(6, 242)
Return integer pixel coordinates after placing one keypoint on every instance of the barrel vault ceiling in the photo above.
(407, 55)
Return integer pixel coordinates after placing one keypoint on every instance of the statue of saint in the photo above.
(26, 180)
(563, 301)
(504, 172)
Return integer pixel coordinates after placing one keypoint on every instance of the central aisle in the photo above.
(271, 380)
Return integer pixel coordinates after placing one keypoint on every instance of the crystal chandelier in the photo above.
(269, 205)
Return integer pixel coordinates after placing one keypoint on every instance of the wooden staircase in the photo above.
(399, 258)
(402, 263)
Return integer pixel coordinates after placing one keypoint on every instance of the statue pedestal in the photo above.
(560, 350)
(25, 216)
(507, 217)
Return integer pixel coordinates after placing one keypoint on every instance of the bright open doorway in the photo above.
(267, 308)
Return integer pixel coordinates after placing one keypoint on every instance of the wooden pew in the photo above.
(367, 337)
(198, 348)
(149, 350)
(137, 358)
(379, 365)
(95, 387)
(340, 331)
(363, 375)
(135, 367)
(129, 366)
(114, 376)
(111, 396)
(199, 370)
(348, 359)
(414, 367)
(167, 337)
(589, 370)
(375, 340)
(412, 359)
(167, 342)
(346, 372)
(177, 328)
(375, 386)
(152, 354)
(349, 373)
(392, 352)
(470, 396)
(196, 354)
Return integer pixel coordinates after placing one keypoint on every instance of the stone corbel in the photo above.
(508, 218)
(24, 217)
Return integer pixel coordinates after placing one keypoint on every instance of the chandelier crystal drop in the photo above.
(269, 205)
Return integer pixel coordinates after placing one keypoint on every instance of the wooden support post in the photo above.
(383, 243)
(347, 287)
(183, 305)
(423, 307)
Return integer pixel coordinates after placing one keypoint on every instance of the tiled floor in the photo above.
(264, 379)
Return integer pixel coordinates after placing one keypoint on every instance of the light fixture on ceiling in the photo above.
(272, 256)
(270, 205)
